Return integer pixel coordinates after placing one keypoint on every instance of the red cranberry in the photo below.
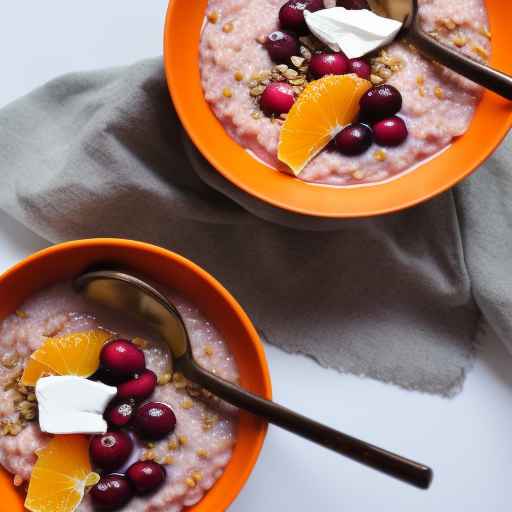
(391, 131)
(361, 68)
(380, 102)
(121, 358)
(139, 388)
(354, 139)
(154, 420)
(112, 492)
(353, 4)
(282, 46)
(146, 476)
(291, 14)
(119, 414)
(322, 64)
(277, 98)
(111, 450)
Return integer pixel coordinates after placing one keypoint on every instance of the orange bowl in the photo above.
(493, 118)
(66, 260)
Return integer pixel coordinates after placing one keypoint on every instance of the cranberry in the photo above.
(380, 102)
(353, 4)
(391, 131)
(154, 420)
(282, 46)
(146, 476)
(111, 450)
(112, 492)
(139, 388)
(277, 98)
(322, 64)
(354, 139)
(291, 14)
(361, 68)
(121, 358)
(119, 414)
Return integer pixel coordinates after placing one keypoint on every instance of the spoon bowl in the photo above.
(131, 295)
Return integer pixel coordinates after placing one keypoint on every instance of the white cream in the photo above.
(354, 32)
(72, 405)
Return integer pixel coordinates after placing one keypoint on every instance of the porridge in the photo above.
(188, 455)
(245, 50)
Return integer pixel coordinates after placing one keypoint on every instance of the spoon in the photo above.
(406, 11)
(129, 294)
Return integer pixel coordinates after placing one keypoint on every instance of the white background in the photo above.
(467, 440)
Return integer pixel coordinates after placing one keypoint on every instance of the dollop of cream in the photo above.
(354, 32)
(72, 405)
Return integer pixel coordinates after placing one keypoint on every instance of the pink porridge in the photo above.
(194, 455)
(438, 105)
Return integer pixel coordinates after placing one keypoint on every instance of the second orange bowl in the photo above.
(67, 260)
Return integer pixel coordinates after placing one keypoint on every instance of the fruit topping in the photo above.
(119, 414)
(380, 102)
(323, 64)
(277, 98)
(325, 106)
(112, 492)
(291, 14)
(139, 388)
(121, 358)
(146, 476)
(282, 46)
(111, 450)
(354, 139)
(361, 68)
(60, 475)
(154, 420)
(73, 354)
(391, 131)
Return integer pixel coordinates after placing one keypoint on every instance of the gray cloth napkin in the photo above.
(396, 298)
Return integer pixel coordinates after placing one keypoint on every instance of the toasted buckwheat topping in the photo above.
(139, 342)
(25, 406)
(187, 404)
(213, 17)
(202, 453)
(480, 51)
(228, 27)
(380, 155)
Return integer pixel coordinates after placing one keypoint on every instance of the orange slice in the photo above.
(60, 475)
(74, 354)
(318, 115)
(34, 370)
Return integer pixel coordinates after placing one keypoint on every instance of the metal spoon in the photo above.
(406, 11)
(126, 293)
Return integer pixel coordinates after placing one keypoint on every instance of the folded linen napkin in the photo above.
(396, 298)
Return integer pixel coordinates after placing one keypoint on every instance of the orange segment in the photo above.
(318, 115)
(34, 370)
(60, 475)
(74, 354)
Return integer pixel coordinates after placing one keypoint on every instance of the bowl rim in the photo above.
(430, 178)
(231, 489)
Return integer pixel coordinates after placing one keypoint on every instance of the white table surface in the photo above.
(467, 440)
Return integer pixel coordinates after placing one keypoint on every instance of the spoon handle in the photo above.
(481, 74)
(372, 456)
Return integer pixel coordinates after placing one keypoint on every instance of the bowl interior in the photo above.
(492, 120)
(67, 260)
